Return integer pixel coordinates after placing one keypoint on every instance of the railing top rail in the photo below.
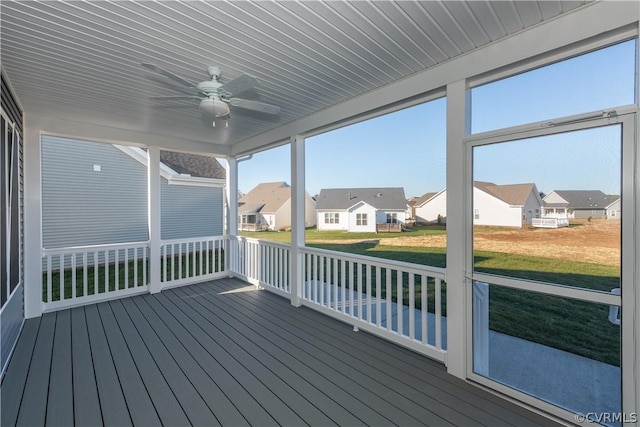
(264, 242)
(93, 248)
(191, 240)
(380, 262)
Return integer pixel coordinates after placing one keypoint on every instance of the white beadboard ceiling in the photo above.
(81, 61)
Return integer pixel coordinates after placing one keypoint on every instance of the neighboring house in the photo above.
(581, 204)
(360, 209)
(430, 207)
(96, 193)
(510, 205)
(268, 207)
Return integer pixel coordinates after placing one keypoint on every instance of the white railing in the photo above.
(87, 274)
(400, 301)
(192, 260)
(262, 263)
(550, 222)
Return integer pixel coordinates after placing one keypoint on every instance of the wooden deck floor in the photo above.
(212, 354)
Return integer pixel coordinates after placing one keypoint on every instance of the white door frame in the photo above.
(630, 251)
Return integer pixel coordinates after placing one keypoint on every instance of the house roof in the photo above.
(513, 194)
(193, 164)
(583, 199)
(390, 198)
(266, 197)
(424, 198)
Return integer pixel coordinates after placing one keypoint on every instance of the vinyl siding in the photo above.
(190, 211)
(12, 310)
(84, 207)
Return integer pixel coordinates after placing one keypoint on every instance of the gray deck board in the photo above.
(326, 339)
(470, 400)
(135, 393)
(33, 408)
(188, 397)
(16, 374)
(114, 411)
(220, 408)
(86, 403)
(199, 355)
(60, 403)
(164, 400)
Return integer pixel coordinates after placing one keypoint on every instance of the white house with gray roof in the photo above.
(360, 209)
(582, 204)
(509, 205)
(268, 207)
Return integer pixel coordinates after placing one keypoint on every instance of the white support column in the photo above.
(297, 218)
(232, 213)
(457, 213)
(32, 222)
(153, 170)
(232, 196)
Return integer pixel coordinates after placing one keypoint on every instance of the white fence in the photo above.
(193, 260)
(400, 301)
(262, 263)
(550, 222)
(87, 274)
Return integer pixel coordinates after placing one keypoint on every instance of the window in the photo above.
(392, 218)
(476, 214)
(361, 219)
(331, 218)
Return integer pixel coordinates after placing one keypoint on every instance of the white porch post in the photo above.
(232, 211)
(457, 208)
(232, 196)
(153, 170)
(32, 222)
(297, 218)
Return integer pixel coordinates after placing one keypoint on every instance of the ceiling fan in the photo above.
(216, 98)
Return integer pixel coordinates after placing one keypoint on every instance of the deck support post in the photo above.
(297, 218)
(232, 213)
(153, 170)
(457, 227)
(32, 222)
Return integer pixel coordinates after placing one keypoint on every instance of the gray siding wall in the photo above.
(84, 207)
(190, 211)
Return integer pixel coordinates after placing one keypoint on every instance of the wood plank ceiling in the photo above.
(81, 60)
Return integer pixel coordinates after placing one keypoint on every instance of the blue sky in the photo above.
(407, 148)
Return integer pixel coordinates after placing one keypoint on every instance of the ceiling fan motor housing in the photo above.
(214, 107)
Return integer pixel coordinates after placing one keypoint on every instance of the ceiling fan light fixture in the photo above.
(214, 107)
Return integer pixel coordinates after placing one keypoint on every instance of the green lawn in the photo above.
(312, 234)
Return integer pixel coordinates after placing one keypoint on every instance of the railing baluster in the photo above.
(424, 306)
(126, 268)
(378, 296)
(399, 301)
(343, 285)
(336, 284)
(117, 268)
(49, 279)
(389, 299)
(96, 275)
(85, 274)
(359, 274)
(438, 314)
(412, 305)
(367, 271)
(62, 277)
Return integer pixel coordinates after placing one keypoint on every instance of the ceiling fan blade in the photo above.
(165, 98)
(169, 74)
(254, 105)
(237, 85)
